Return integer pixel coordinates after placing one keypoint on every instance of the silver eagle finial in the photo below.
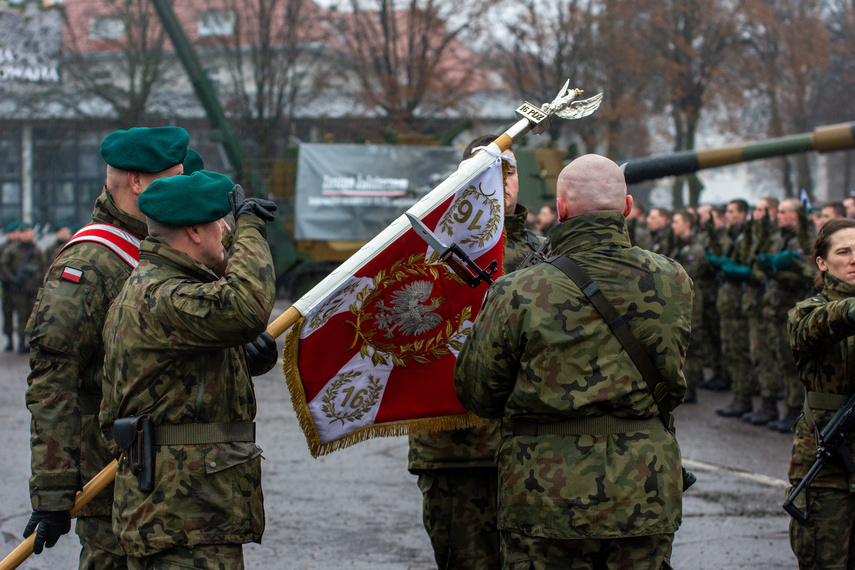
(564, 105)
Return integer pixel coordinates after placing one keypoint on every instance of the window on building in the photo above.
(106, 28)
(216, 24)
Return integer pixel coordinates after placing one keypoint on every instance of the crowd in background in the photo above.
(23, 263)
(750, 266)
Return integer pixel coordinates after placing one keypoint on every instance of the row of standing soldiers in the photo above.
(22, 267)
(749, 269)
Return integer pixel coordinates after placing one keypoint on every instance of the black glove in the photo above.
(261, 354)
(243, 206)
(51, 525)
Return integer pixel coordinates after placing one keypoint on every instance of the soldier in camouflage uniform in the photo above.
(23, 267)
(787, 280)
(822, 338)
(63, 234)
(66, 350)
(689, 253)
(173, 343)
(589, 477)
(706, 285)
(12, 233)
(661, 236)
(456, 469)
(734, 324)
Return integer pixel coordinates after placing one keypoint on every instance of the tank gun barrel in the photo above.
(828, 138)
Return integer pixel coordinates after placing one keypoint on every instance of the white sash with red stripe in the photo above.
(122, 243)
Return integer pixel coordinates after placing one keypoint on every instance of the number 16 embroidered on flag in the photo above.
(375, 356)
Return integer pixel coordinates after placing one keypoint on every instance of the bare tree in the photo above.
(115, 54)
(407, 57)
(688, 41)
(274, 59)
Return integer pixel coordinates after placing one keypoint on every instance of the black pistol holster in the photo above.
(134, 436)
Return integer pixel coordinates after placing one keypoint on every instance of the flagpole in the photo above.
(531, 119)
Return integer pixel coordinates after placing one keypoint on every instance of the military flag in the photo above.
(374, 354)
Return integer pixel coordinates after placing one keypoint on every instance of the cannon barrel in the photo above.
(823, 139)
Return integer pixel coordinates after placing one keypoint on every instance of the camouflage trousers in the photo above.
(773, 362)
(459, 512)
(634, 553)
(735, 353)
(709, 337)
(827, 540)
(100, 549)
(204, 556)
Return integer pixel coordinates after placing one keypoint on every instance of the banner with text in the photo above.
(353, 191)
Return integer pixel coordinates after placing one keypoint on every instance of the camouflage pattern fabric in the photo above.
(662, 240)
(826, 541)
(639, 234)
(455, 504)
(22, 266)
(692, 258)
(205, 557)
(460, 517)
(637, 553)
(733, 325)
(66, 362)
(174, 350)
(100, 549)
(538, 350)
(821, 337)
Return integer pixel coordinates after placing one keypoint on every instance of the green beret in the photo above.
(193, 162)
(24, 226)
(184, 201)
(144, 149)
(11, 227)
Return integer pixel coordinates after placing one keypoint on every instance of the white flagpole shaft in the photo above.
(468, 170)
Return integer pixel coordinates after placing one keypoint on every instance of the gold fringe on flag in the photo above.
(389, 429)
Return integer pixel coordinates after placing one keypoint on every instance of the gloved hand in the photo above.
(49, 526)
(261, 354)
(767, 259)
(717, 262)
(784, 259)
(243, 206)
(736, 272)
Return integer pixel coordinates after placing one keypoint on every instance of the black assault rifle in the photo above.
(833, 443)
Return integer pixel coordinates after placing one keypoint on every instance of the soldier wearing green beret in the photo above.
(174, 353)
(193, 162)
(589, 474)
(12, 233)
(67, 352)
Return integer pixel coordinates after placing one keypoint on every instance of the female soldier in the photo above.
(822, 337)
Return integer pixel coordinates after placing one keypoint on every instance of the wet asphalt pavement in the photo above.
(359, 508)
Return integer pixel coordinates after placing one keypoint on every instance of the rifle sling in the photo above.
(617, 324)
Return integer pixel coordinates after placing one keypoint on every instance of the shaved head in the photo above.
(592, 183)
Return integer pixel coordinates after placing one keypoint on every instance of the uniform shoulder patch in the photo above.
(71, 274)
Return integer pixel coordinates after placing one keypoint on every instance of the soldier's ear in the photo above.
(628, 207)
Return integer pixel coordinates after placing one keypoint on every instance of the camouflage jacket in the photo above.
(692, 258)
(476, 446)
(729, 295)
(763, 237)
(783, 288)
(22, 266)
(174, 350)
(66, 362)
(822, 337)
(538, 350)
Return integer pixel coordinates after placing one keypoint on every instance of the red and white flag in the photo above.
(374, 352)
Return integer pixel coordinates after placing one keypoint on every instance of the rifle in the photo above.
(832, 443)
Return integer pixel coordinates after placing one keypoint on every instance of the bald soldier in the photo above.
(589, 474)
(66, 350)
(178, 393)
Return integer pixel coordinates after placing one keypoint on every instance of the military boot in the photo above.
(736, 409)
(23, 345)
(768, 412)
(9, 346)
(785, 424)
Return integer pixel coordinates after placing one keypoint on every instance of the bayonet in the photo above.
(454, 256)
